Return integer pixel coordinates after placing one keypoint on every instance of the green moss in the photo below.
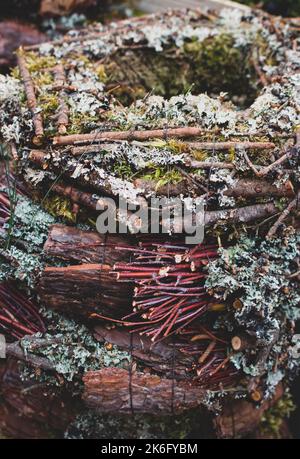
(213, 65)
(273, 418)
(220, 66)
(59, 207)
(48, 102)
(162, 176)
(80, 123)
(36, 62)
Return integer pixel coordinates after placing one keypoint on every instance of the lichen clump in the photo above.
(256, 278)
(71, 349)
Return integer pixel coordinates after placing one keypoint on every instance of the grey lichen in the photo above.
(259, 276)
(72, 349)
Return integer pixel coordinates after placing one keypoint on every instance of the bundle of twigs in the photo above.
(169, 286)
(18, 315)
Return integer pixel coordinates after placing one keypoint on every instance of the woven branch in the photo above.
(157, 133)
(31, 100)
(63, 111)
(246, 188)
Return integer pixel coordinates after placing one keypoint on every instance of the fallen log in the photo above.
(162, 357)
(30, 409)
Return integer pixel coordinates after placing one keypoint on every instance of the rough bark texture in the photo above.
(71, 244)
(116, 390)
(255, 188)
(16, 351)
(162, 357)
(244, 188)
(83, 290)
(31, 410)
(31, 99)
(63, 7)
(63, 110)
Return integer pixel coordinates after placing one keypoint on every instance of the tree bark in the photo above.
(162, 357)
(243, 417)
(63, 7)
(115, 390)
(228, 216)
(242, 188)
(30, 409)
(83, 290)
(74, 245)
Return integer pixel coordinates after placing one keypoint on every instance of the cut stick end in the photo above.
(37, 140)
(256, 396)
(236, 343)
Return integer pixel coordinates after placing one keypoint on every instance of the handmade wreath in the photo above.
(184, 104)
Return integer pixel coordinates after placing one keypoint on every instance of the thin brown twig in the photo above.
(63, 111)
(31, 99)
(232, 144)
(292, 205)
(127, 135)
(262, 172)
(182, 132)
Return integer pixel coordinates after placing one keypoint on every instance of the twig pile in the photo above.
(18, 315)
(169, 286)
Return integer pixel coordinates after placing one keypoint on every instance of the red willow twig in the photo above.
(4, 209)
(169, 287)
(212, 365)
(18, 315)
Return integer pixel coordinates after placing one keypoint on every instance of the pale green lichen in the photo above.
(258, 274)
(76, 350)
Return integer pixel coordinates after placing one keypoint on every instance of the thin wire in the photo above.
(130, 375)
